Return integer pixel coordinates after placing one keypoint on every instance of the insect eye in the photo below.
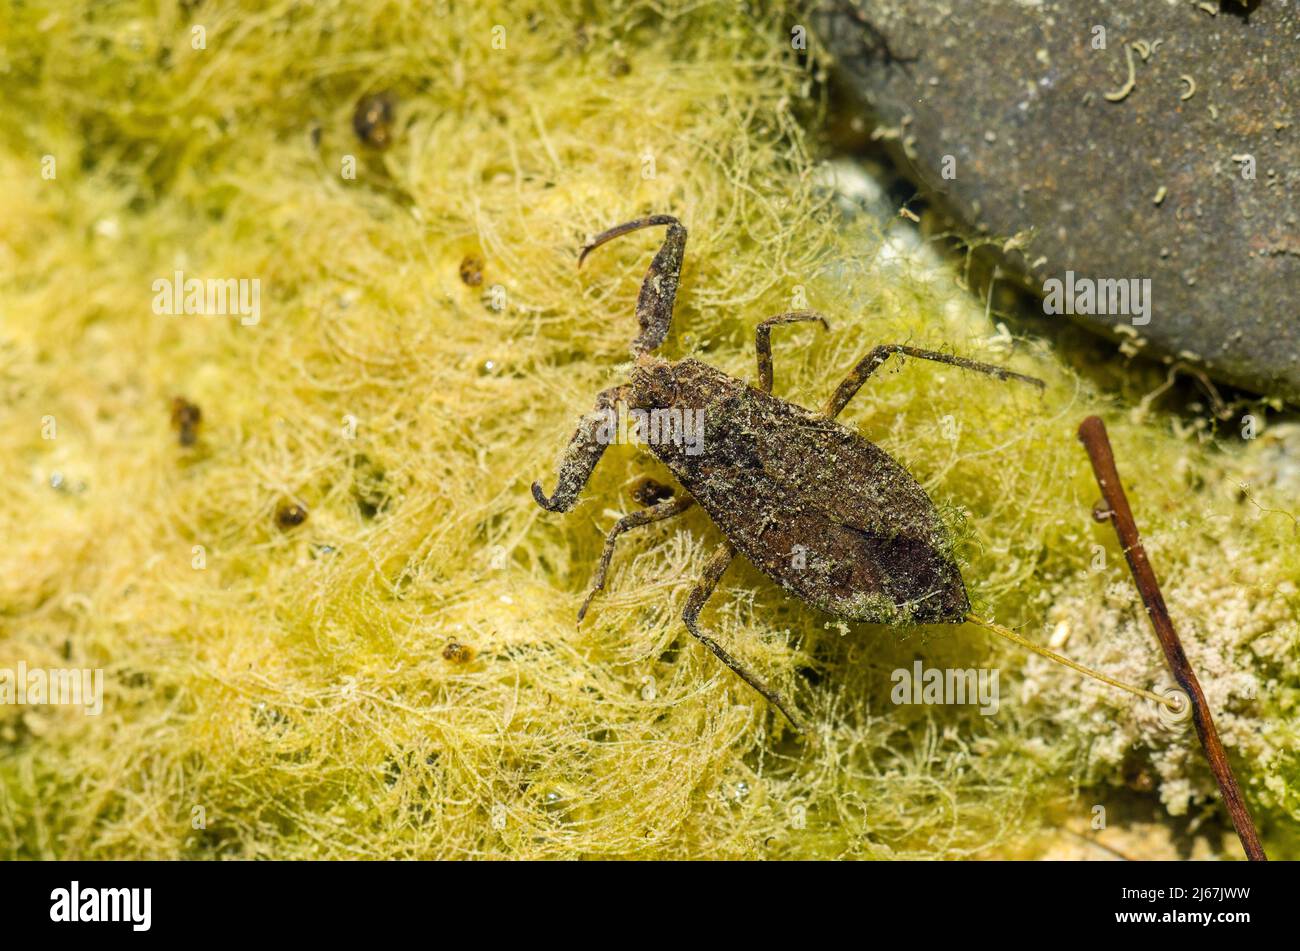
(655, 385)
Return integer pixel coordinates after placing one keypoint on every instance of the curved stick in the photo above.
(1092, 433)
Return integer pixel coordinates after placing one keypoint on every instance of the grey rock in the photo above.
(1043, 136)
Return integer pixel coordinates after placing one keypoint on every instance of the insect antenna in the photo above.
(1041, 651)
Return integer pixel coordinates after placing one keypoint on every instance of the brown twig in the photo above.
(1092, 433)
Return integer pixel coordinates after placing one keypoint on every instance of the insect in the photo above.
(823, 512)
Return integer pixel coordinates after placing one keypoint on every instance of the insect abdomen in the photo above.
(822, 511)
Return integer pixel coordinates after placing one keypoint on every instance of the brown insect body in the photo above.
(820, 510)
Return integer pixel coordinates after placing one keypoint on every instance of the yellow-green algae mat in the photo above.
(296, 691)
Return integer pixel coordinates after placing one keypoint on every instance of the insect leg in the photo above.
(655, 513)
(584, 451)
(763, 341)
(713, 572)
(654, 305)
(878, 355)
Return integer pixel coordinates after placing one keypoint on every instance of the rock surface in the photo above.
(1154, 141)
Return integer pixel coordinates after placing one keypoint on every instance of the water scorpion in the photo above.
(823, 512)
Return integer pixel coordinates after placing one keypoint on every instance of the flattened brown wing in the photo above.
(826, 514)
